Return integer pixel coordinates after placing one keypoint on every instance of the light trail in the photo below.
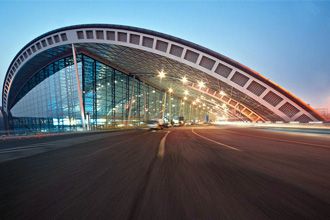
(216, 142)
(282, 140)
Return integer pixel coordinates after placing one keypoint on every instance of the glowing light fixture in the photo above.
(201, 84)
(184, 80)
(222, 93)
(161, 74)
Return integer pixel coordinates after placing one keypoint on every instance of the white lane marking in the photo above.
(161, 148)
(216, 142)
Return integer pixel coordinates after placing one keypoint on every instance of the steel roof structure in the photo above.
(145, 53)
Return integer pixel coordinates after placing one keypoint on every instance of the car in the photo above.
(167, 125)
(154, 125)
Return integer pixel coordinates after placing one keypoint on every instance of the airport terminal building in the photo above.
(103, 76)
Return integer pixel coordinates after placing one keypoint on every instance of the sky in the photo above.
(286, 41)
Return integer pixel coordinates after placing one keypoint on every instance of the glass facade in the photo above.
(49, 100)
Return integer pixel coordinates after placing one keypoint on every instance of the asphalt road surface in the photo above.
(179, 173)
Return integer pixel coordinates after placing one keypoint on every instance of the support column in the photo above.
(80, 96)
(180, 108)
(145, 107)
(164, 106)
(170, 107)
(131, 102)
(189, 117)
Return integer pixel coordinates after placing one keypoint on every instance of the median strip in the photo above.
(216, 142)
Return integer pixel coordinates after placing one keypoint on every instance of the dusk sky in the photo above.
(288, 41)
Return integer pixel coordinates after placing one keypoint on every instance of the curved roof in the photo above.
(203, 59)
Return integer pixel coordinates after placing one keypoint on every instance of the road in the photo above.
(178, 173)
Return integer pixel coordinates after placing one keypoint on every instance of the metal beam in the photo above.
(81, 104)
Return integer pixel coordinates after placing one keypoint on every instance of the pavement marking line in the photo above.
(140, 196)
(216, 142)
(34, 146)
(161, 148)
(283, 140)
(54, 143)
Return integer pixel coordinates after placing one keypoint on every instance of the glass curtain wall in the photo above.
(49, 100)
